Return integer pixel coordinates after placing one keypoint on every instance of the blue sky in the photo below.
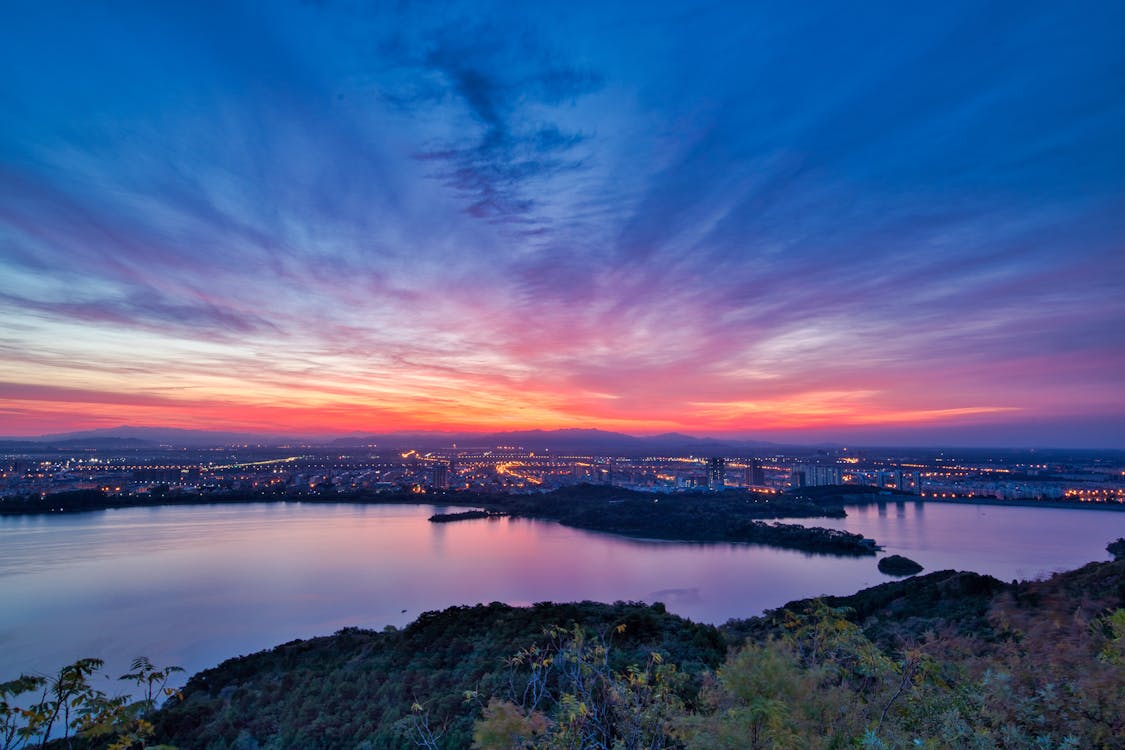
(777, 220)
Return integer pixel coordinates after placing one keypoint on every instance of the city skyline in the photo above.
(787, 224)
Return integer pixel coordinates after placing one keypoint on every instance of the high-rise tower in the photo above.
(716, 473)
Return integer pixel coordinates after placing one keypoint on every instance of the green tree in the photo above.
(572, 698)
(66, 706)
(819, 683)
(14, 720)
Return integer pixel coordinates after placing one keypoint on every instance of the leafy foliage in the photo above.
(590, 704)
(407, 688)
(67, 710)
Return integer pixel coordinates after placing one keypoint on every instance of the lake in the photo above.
(194, 585)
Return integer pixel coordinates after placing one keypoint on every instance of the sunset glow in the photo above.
(768, 223)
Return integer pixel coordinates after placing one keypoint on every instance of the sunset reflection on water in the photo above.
(195, 585)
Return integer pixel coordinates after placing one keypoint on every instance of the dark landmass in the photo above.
(730, 516)
(1117, 549)
(467, 515)
(578, 503)
(1033, 662)
(897, 565)
(83, 501)
(805, 538)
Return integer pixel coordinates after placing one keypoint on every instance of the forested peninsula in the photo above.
(728, 516)
(947, 659)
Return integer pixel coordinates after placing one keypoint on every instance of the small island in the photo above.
(897, 565)
(465, 515)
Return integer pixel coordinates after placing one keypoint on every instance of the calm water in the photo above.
(195, 585)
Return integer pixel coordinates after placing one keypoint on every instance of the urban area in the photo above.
(1078, 477)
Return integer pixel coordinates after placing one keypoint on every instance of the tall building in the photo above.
(716, 473)
(757, 474)
(441, 476)
(753, 475)
(815, 475)
(828, 476)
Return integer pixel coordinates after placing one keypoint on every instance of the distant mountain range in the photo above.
(565, 441)
(141, 437)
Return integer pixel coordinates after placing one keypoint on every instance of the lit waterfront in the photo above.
(1083, 477)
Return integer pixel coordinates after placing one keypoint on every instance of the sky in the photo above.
(771, 220)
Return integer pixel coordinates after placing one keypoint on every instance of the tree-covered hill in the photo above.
(357, 688)
(943, 660)
(947, 659)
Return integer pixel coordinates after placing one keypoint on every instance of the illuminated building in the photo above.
(716, 473)
(797, 478)
(815, 475)
(441, 476)
(753, 475)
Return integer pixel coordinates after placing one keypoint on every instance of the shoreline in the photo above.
(696, 519)
(1061, 504)
(406, 498)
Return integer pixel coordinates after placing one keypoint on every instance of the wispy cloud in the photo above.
(506, 88)
(556, 215)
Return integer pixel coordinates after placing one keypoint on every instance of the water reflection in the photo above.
(194, 585)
